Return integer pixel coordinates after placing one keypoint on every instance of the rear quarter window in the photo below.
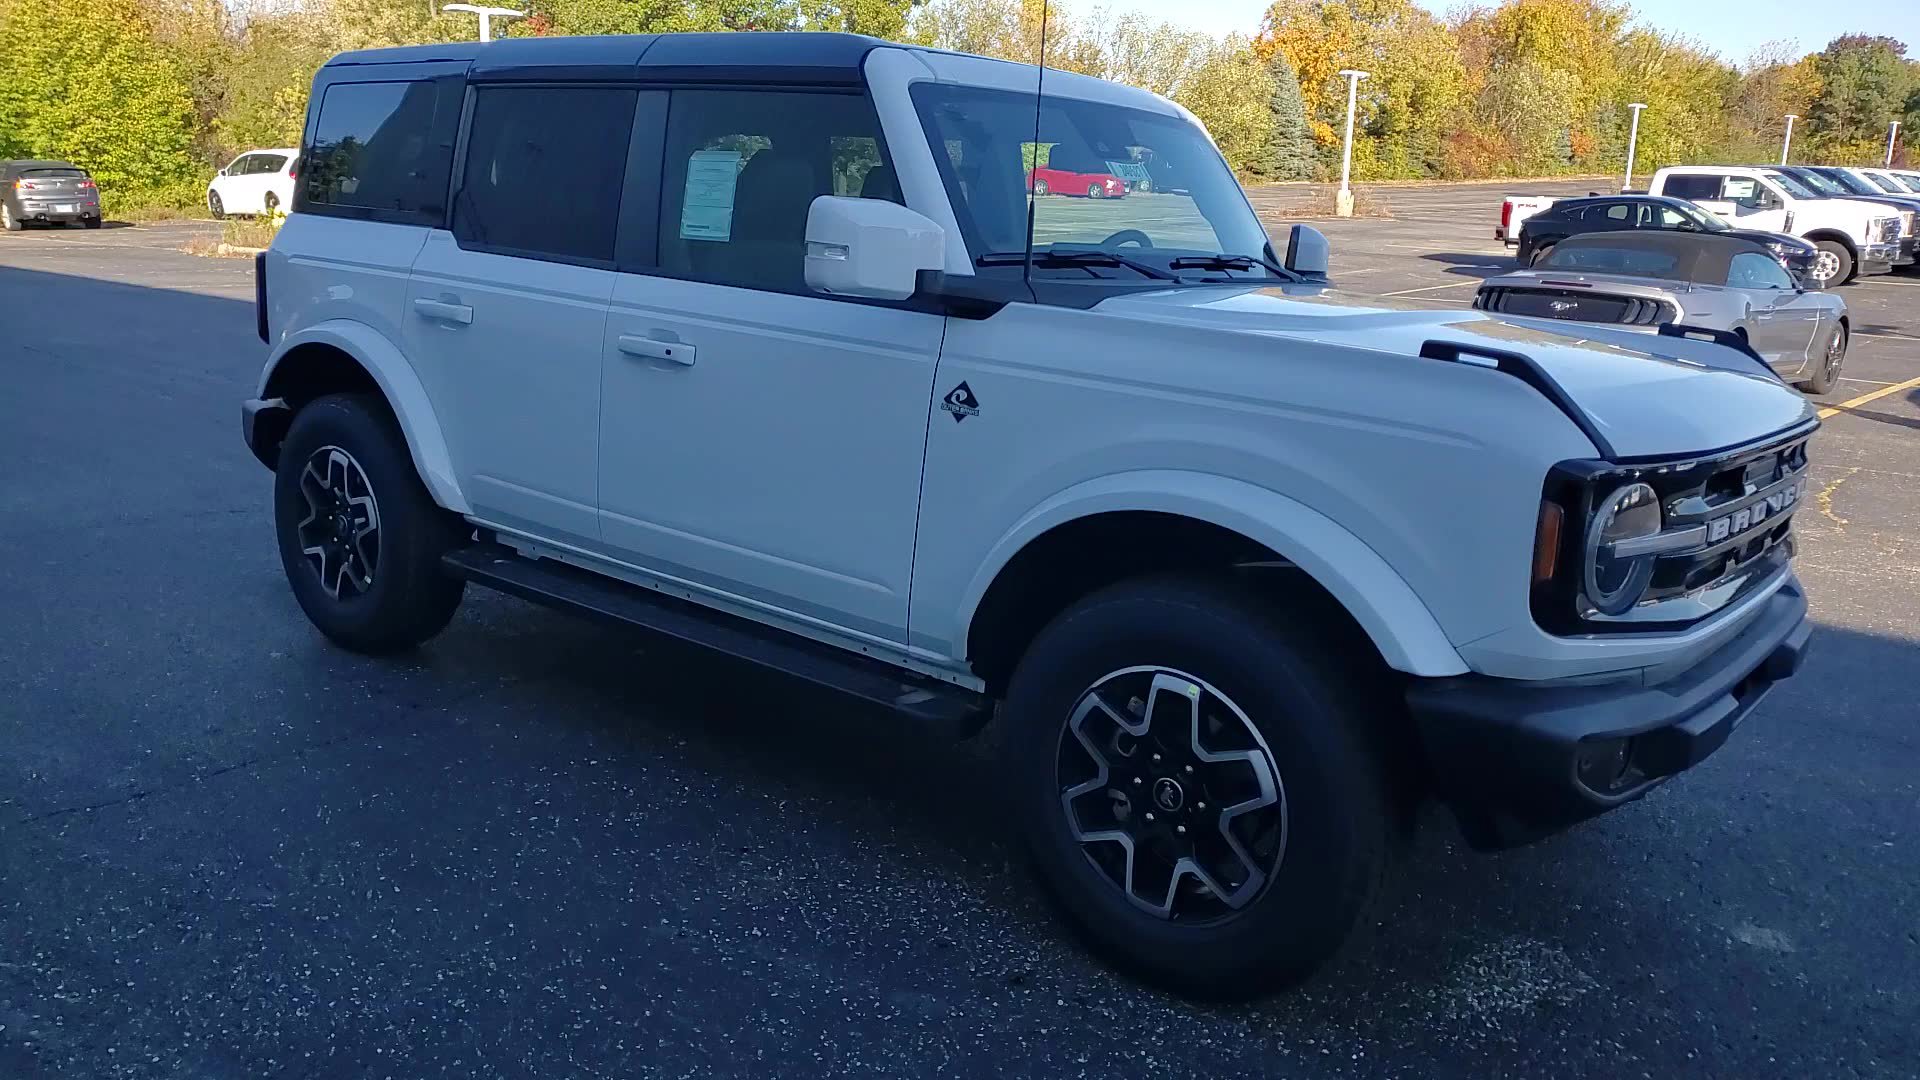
(380, 150)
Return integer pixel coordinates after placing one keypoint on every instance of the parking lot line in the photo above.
(1864, 398)
(1434, 288)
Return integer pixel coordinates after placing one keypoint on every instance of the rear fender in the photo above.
(404, 393)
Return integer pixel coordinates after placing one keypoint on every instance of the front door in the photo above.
(507, 309)
(1784, 318)
(760, 442)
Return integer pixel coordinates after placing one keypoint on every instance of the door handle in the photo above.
(678, 352)
(442, 311)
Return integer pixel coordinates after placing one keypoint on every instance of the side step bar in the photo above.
(557, 585)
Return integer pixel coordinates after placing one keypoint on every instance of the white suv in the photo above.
(1854, 237)
(742, 338)
(256, 182)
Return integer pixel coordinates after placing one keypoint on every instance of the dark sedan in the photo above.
(1649, 213)
(50, 191)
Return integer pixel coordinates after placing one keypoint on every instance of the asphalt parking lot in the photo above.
(543, 847)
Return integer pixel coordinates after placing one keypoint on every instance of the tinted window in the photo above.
(544, 170)
(1617, 212)
(55, 174)
(373, 147)
(743, 168)
(1692, 187)
(268, 163)
(1752, 270)
(1631, 261)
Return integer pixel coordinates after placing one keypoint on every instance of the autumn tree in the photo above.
(1231, 92)
(1865, 83)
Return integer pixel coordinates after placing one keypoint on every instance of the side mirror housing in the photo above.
(1307, 252)
(869, 247)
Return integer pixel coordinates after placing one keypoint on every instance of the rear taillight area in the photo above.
(260, 294)
(1506, 213)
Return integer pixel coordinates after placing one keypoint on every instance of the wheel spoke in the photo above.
(340, 534)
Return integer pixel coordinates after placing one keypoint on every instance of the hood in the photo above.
(1764, 237)
(1869, 205)
(1646, 395)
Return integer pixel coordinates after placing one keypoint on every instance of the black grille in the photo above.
(1573, 305)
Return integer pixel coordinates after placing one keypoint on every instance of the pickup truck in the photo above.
(1854, 237)
(1514, 211)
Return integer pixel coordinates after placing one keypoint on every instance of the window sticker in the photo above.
(706, 212)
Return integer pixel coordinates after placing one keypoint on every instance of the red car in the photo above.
(1065, 174)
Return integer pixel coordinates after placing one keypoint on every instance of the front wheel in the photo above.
(215, 207)
(360, 537)
(1096, 191)
(1827, 367)
(1040, 187)
(1198, 785)
(1833, 265)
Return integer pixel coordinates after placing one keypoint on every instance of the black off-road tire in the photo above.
(409, 599)
(1316, 699)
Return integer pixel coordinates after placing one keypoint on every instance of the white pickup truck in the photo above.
(1854, 237)
(1514, 211)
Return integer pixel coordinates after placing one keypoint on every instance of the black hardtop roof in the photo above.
(1698, 256)
(753, 56)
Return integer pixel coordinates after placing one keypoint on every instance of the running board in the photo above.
(557, 585)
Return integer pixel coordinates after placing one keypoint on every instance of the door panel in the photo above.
(509, 351)
(767, 445)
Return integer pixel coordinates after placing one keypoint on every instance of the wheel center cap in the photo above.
(1167, 794)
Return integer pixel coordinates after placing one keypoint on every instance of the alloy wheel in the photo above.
(340, 536)
(1825, 265)
(1172, 794)
(1836, 352)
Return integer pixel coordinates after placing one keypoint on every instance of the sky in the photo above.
(1732, 28)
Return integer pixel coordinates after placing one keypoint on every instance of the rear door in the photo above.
(507, 305)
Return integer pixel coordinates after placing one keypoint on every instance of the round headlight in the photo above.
(1615, 583)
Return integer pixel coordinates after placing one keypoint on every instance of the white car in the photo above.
(256, 182)
(1854, 237)
(761, 341)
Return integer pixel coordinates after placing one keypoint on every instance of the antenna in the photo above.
(1039, 85)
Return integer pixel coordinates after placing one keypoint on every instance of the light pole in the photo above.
(1892, 133)
(1633, 142)
(1787, 143)
(487, 15)
(1343, 199)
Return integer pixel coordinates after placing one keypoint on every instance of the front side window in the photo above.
(741, 171)
(373, 147)
(1752, 270)
(1144, 185)
(544, 170)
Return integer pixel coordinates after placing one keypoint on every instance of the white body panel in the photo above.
(1795, 216)
(1514, 211)
(243, 191)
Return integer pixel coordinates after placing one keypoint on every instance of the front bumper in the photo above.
(1904, 253)
(1879, 258)
(1517, 760)
(263, 424)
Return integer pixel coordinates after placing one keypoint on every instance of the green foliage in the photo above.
(1287, 153)
(1231, 92)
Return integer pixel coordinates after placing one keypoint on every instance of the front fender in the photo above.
(404, 393)
(1401, 626)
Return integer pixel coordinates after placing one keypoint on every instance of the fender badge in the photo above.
(961, 403)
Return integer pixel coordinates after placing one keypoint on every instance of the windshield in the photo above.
(1884, 184)
(1826, 185)
(1912, 183)
(1686, 211)
(1844, 181)
(1794, 187)
(1149, 186)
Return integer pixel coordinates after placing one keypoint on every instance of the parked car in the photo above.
(1649, 213)
(1854, 237)
(1835, 183)
(1242, 565)
(1079, 170)
(50, 192)
(1514, 212)
(256, 182)
(1710, 281)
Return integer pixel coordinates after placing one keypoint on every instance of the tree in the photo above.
(1230, 92)
(1865, 83)
(1288, 152)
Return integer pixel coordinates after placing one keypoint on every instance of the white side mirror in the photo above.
(869, 247)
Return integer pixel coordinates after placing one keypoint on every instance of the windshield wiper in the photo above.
(1230, 262)
(1081, 258)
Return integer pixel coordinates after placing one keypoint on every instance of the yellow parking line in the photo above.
(1864, 398)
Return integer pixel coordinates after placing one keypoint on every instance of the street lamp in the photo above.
(487, 15)
(1892, 132)
(1343, 199)
(1787, 143)
(1633, 141)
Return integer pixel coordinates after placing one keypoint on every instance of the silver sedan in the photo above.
(1693, 280)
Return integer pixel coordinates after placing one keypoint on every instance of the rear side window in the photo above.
(1693, 187)
(267, 163)
(544, 170)
(374, 150)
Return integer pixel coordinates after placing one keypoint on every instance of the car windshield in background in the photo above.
(1884, 185)
(1794, 187)
(1911, 183)
(1147, 187)
(1825, 185)
(1632, 262)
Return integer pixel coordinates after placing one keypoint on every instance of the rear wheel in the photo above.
(93, 223)
(1827, 367)
(1833, 265)
(1199, 791)
(1040, 186)
(271, 202)
(1096, 190)
(1539, 255)
(360, 537)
